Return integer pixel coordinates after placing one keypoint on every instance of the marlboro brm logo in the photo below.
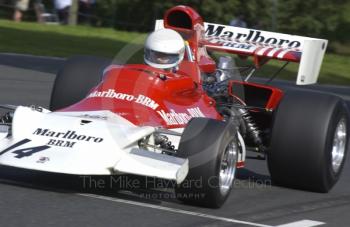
(70, 134)
(250, 35)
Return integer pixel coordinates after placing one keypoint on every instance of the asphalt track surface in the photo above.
(30, 198)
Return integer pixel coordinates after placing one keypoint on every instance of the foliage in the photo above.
(328, 19)
(317, 18)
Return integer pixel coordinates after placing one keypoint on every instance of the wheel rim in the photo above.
(339, 142)
(228, 167)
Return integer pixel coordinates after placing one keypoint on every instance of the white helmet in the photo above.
(164, 49)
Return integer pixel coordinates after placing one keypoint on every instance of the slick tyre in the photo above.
(310, 140)
(75, 79)
(211, 147)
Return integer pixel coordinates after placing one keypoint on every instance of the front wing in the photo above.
(83, 143)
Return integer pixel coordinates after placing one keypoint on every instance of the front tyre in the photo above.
(310, 139)
(74, 81)
(212, 148)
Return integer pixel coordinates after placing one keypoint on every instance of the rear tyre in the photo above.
(310, 139)
(75, 79)
(211, 147)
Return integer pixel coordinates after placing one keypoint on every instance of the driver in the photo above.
(164, 49)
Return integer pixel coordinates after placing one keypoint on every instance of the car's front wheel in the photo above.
(212, 148)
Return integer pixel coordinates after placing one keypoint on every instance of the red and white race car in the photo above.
(192, 124)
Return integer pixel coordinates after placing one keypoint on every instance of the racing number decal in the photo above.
(29, 151)
(25, 152)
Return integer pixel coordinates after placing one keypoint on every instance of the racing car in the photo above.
(192, 124)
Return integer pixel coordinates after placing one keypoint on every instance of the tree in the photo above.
(318, 18)
(73, 12)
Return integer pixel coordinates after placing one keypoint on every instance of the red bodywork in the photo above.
(148, 96)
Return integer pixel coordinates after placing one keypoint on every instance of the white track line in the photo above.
(303, 223)
(174, 210)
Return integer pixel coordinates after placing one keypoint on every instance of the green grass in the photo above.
(65, 41)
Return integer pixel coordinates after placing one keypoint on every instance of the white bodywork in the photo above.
(84, 143)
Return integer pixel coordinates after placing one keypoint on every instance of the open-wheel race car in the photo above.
(191, 123)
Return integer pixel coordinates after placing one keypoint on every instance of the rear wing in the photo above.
(262, 45)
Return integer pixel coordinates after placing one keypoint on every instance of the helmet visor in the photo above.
(161, 58)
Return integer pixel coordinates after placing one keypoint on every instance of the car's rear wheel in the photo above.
(75, 80)
(212, 148)
(310, 139)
